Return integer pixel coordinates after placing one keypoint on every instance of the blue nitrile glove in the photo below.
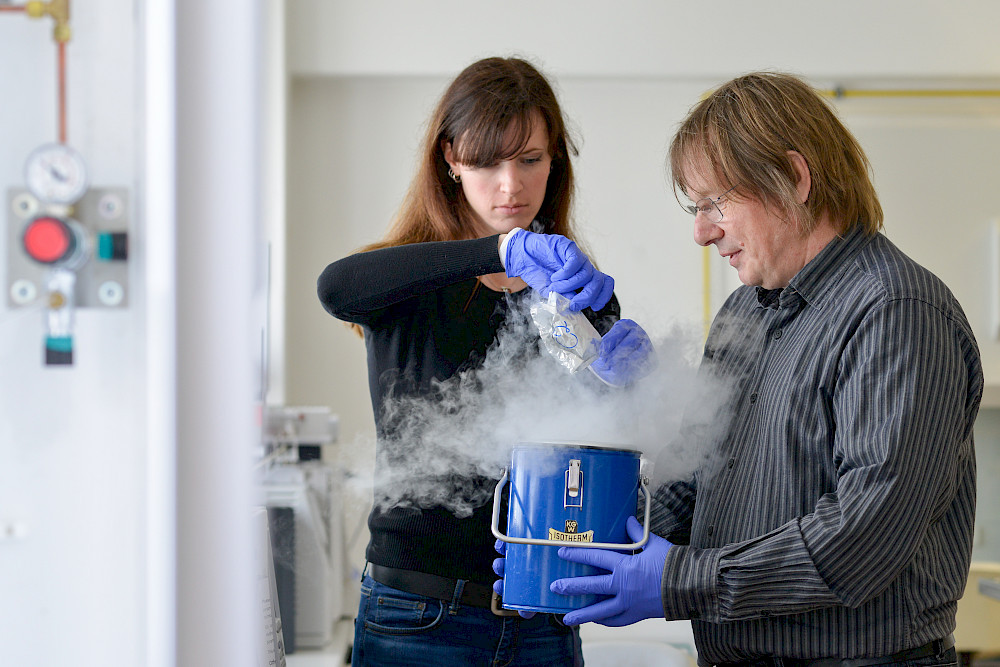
(550, 262)
(498, 566)
(626, 355)
(634, 582)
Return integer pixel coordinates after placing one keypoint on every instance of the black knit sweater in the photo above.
(426, 318)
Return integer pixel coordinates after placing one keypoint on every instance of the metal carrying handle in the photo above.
(495, 525)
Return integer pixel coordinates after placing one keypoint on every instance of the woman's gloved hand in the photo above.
(550, 262)
(626, 355)
(633, 582)
(498, 568)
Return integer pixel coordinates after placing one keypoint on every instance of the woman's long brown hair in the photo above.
(487, 114)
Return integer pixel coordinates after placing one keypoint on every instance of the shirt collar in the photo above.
(813, 283)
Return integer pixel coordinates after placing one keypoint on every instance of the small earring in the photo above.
(455, 177)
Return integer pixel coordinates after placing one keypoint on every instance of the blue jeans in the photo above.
(398, 628)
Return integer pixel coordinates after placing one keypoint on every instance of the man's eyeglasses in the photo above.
(709, 207)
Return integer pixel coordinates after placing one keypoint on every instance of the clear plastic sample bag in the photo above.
(568, 336)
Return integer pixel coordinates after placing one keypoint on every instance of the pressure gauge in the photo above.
(56, 173)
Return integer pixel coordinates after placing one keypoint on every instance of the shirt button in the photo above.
(732, 462)
(776, 334)
(753, 398)
(711, 529)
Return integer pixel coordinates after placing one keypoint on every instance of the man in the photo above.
(834, 520)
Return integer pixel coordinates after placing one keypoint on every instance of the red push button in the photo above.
(48, 240)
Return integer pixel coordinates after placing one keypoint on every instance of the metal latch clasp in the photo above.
(574, 484)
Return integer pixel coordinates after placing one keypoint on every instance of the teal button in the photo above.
(59, 343)
(105, 246)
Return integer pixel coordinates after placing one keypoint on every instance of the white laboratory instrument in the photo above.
(302, 494)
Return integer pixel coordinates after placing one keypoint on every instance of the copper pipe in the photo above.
(62, 92)
(61, 33)
(8, 8)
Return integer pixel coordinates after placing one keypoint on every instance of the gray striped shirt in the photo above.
(834, 516)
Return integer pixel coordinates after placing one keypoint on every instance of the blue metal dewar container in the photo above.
(563, 495)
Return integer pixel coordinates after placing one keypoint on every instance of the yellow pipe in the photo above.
(915, 92)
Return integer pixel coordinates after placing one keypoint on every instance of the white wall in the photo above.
(714, 38)
(125, 495)
(87, 452)
(71, 439)
(366, 75)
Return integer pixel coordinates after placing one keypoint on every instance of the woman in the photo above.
(430, 299)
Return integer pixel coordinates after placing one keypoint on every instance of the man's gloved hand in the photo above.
(550, 262)
(627, 355)
(634, 582)
(498, 567)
